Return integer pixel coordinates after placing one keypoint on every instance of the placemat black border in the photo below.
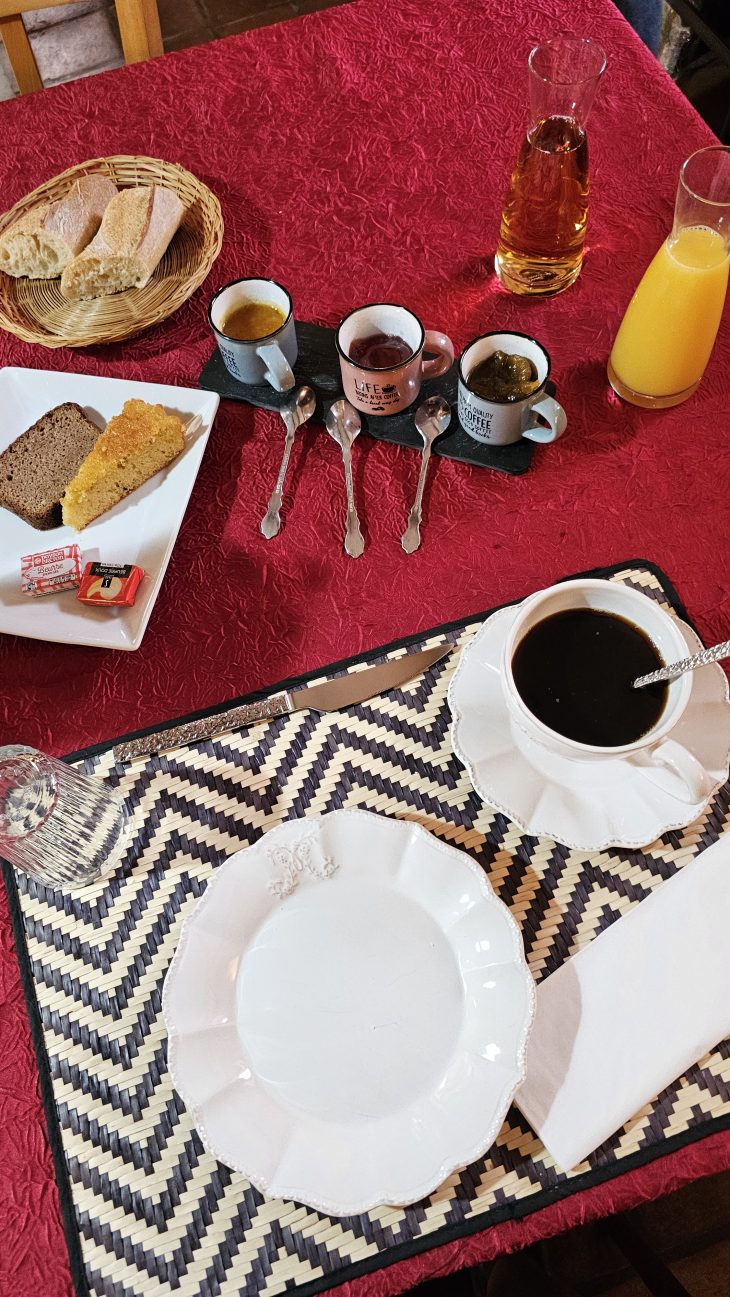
(447, 1233)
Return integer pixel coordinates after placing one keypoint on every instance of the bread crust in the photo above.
(43, 241)
(135, 233)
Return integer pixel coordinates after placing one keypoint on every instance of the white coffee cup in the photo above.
(498, 422)
(682, 774)
(256, 360)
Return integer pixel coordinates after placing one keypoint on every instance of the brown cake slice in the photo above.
(37, 467)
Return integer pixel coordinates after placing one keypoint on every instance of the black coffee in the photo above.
(574, 671)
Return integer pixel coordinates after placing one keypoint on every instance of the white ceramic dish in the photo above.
(348, 1011)
(585, 805)
(142, 529)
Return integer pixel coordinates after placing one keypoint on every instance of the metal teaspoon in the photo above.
(432, 418)
(295, 412)
(343, 425)
(685, 664)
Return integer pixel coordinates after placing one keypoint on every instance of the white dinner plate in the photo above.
(141, 529)
(348, 1012)
(586, 805)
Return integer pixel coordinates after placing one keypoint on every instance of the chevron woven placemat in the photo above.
(147, 1210)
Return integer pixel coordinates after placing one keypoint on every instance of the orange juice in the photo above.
(671, 322)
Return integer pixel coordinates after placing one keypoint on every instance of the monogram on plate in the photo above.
(290, 862)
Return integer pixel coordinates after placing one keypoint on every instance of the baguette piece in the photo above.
(137, 227)
(136, 444)
(37, 467)
(42, 242)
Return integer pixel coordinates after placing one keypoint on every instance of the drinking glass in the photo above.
(669, 329)
(58, 825)
(542, 233)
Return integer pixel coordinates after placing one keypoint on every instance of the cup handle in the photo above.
(555, 415)
(444, 358)
(278, 370)
(688, 780)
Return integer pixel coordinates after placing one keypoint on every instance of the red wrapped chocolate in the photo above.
(110, 584)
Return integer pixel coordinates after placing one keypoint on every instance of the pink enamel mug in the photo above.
(381, 350)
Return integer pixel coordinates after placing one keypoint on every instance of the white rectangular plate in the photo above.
(141, 529)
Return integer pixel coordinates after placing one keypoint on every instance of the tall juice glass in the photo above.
(669, 329)
(542, 232)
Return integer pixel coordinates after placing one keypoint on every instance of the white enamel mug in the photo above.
(258, 360)
(681, 772)
(500, 423)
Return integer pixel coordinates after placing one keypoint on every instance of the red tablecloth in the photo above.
(361, 154)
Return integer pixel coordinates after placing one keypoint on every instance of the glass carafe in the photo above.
(542, 233)
(669, 329)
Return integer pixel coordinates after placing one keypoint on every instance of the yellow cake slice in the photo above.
(135, 444)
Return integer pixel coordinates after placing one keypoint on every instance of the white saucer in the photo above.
(585, 805)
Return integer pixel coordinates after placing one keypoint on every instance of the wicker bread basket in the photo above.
(35, 310)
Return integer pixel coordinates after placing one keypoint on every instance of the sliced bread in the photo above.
(136, 444)
(137, 227)
(37, 467)
(42, 243)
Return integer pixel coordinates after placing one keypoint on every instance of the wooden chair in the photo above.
(139, 27)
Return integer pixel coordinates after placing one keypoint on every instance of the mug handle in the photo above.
(688, 780)
(444, 358)
(555, 415)
(278, 371)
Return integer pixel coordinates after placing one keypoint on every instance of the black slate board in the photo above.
(318, 365)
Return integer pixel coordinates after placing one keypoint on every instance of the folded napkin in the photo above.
(631, 1012)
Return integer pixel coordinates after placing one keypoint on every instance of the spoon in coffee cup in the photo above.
(295, 411)
(676, 669)
(343, 424)
(432, 418)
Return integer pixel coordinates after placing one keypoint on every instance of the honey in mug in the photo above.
(250, 321)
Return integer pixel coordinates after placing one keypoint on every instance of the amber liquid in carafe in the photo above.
(542, 232)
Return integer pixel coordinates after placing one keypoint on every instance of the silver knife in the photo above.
(331, 695)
